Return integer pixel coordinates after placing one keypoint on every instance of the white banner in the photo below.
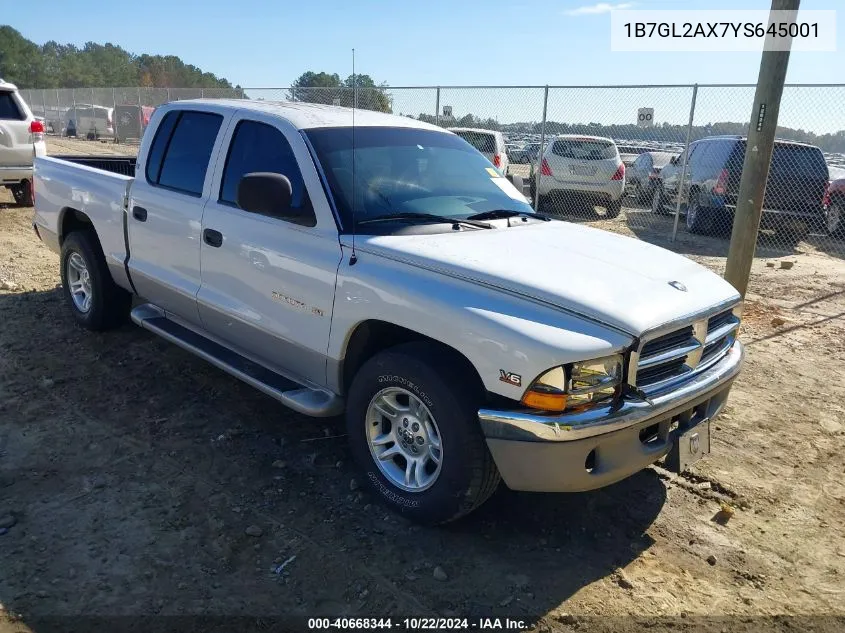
(718, 30)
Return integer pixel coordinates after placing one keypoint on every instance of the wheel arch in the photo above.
(374, 335)
(70, 220)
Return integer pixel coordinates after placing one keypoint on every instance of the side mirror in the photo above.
(265, 192)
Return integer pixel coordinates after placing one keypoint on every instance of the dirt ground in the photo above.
(135, 479)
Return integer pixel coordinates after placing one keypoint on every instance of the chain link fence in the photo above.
(662, 163)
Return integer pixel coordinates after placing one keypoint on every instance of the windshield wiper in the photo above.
(424, 217)
(496, 214)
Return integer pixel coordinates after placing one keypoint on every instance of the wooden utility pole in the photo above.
(758, 156)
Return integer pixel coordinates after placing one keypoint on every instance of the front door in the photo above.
(268, 283)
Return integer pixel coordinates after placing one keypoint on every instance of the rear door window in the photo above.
(9, 110)
(188, 151)
(712, 156)
(484, 143)
(798, 160)
(584, 149)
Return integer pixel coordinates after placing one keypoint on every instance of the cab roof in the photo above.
(314, 115)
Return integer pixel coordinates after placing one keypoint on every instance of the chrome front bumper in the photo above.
(549, 452)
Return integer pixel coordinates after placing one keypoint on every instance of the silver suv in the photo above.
(21, 140)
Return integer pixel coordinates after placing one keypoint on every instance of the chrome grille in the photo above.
(670, 357)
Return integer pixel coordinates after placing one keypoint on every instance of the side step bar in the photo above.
(300, 398)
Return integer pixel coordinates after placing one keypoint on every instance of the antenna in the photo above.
(353, 258)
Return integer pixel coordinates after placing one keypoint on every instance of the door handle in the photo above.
(139, 213)
(212, 238)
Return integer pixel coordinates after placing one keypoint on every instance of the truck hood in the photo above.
(610, 278)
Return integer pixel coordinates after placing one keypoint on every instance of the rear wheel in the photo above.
(412, 421)
(614, 208)
(95, 301)
(22, 194)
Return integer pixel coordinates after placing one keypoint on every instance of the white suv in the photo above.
(579, 168)
(21, 140)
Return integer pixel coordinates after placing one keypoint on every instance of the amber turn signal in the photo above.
(544, 401)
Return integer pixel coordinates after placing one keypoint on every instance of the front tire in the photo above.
(699, 219)
(657, 200)
(412, 421)
(835, 219)
(95, 301)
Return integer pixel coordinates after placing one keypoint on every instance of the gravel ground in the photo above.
(136, 479)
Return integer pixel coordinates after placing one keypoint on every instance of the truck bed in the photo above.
(92, 187)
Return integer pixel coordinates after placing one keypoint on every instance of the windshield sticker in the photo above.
(506, 186)
(493, 173)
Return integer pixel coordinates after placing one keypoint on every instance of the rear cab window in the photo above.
(181, 150)
(484, 143)
(798, 160)
(584, 149)
(9, 108)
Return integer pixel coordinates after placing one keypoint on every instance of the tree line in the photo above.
(55, 65)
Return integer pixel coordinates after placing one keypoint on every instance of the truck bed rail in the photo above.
(123, 165)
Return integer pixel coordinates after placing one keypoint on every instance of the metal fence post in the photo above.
(202, 93)
(437, 108)
(139, 98)
(684, 167)
(542, 144)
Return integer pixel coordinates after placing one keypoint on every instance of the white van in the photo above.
(90, 121)
(21, 140)
(488, 142)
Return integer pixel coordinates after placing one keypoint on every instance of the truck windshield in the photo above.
(408, 170)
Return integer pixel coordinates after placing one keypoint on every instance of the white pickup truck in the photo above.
(466, 338)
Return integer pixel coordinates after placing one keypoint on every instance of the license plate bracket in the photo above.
(689, 447)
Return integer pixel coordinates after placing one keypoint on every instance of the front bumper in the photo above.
(611, 190)
(582, 451)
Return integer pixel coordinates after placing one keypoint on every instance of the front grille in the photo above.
(675, 356)
(667, 341)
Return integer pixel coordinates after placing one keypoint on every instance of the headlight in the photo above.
(576, 385)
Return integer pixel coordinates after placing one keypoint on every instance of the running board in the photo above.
(300, 398)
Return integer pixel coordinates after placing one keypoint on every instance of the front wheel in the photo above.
(412, 421)
(657, 200)
(699, 219)
(834, 220)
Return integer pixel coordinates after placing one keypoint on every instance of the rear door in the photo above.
(586, 161)
(166, 206)
(15, 142)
